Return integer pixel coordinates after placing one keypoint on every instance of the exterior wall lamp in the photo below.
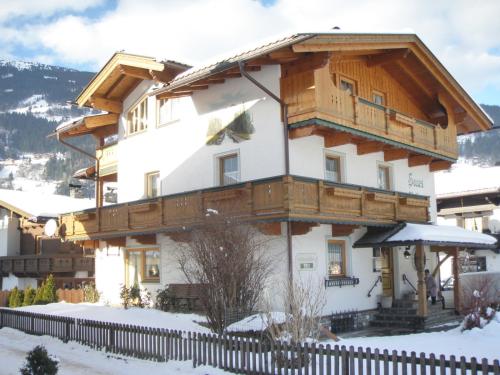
(407, 253)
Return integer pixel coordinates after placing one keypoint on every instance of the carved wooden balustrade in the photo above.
(313, 98)
(278, 198)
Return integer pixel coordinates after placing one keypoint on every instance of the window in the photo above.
(229, 172)
(378, 98)
(348, 85)
(142, 265)
(168, 110)
(137, 118)
(376, 259)
(336, 259)
(472, 263)
(384, 177)
(153, 184)
(333, 168)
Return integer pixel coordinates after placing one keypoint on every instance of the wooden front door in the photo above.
(387, 271)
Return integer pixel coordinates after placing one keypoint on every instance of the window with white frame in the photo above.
(169, 110)
(153, 184)
(333, 168)
(137, 117)
(229, 169)
(378, 97)
(336, 259)
(142, 265)
(348, 85)
(384, 177)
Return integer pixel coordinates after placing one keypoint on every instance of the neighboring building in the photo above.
(468, 196)
(27, 254)
(321, 138)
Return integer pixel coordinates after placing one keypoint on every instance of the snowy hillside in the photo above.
(33, 101)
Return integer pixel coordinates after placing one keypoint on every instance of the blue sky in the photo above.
(83, 34)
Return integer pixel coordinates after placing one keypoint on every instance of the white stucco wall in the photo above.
(179, 151)
(109, 272)
(307, 158)
(9, 234)
(12, 281)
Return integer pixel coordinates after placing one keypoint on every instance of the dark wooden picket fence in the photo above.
(237, 354)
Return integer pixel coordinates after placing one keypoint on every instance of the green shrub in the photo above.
(13, 297)
(29, 296)
(38, 362)
(49, 291)
(134, 296)
(90, 293)
(38, 300)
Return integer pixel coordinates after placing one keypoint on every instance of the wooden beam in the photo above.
(300, 228)
(337, 139)
(117, 241)
(416, 80)
(269, 229)
(171, 95)
(303, 131)
(346, 46)
(106, 104)
(416, 160)
(421, 289)
(342, 230)
(388, 57)
(457, 284)
(101, 120)
(440, 263)
(439, 165)
(145, 239)
(396, 154)
(370, 147)
(283, 54)
(306, 63)
(135, 72)
(190, 89)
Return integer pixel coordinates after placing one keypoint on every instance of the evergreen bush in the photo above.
(90, 293)
(38, 362)
(49, 291)
(29, 296)
(13, 297)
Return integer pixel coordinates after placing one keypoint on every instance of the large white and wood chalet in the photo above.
(321, 138)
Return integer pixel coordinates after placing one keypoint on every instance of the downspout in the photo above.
(284, 114)
(98, 187)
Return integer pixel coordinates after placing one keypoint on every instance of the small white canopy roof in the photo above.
(440, 233)
(427, 234)
(33, 204)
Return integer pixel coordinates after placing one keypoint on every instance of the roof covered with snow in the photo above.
(467, 178)
(427, 234)
(35, 205)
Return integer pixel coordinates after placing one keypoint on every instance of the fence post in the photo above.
(66, 330)
(111, 343)
(32, 324)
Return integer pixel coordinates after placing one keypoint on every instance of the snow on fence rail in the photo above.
(238, 354)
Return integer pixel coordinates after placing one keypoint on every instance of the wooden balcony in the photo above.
(108, 160)
(280, 198)
(40, 265)
(314, 100)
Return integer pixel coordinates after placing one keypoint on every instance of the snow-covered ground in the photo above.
(479, 343)
(136, 316)
(76, 359)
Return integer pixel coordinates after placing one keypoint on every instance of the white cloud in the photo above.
(44, 8)
(462, 33)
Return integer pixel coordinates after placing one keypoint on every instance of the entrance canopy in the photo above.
(406, 234)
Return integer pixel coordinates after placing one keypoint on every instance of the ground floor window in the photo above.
(336, 259)
(142, 265)
(472, 263)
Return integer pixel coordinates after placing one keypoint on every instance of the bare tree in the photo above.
(229, 258)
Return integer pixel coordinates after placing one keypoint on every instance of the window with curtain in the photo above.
(137, 117)
(229, 170)
(336, 259)
(332, 168)
(142, 265)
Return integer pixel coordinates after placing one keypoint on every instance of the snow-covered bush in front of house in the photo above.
(480, 314)
(135, 297)
(39, 362)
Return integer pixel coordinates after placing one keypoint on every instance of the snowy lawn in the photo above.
(134, 315)
(76, 359)
(479, 343)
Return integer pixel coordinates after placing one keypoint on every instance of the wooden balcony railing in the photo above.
(279, 198)
(39, 265)
(108, 159)
(313, 96)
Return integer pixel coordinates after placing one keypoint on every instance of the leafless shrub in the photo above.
(480, 298)
(230, 259)
(304, 301)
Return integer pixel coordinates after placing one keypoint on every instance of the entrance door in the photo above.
(387, 272)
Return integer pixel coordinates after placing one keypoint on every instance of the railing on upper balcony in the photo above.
(316, 97)
(278, 198)
(43, 264)
(108, 159)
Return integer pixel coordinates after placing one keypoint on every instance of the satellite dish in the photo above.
(50, 228)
